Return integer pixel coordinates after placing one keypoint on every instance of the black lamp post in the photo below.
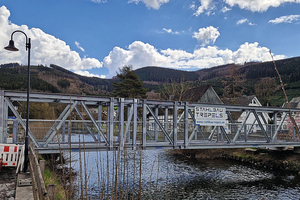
(11, 47)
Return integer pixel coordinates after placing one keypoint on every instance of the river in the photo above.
(156, 174)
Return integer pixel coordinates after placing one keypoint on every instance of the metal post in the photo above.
(134, 124)
(186, 125)
(15, 131)
(155, 125)
(111, 122)
(175, 124)
(166, 125)
(1, 116)
(121, 118)
(99, 115)
(144, 125)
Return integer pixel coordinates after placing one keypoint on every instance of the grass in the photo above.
(51, 178)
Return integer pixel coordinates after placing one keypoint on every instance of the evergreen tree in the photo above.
(129, 84)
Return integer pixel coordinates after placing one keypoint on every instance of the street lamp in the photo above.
(11, 47)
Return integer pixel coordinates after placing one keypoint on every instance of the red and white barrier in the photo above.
(10, 154)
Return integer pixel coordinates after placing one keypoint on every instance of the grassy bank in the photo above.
(283, 161)
(54, 174)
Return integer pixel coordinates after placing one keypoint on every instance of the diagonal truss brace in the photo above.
(196, 129)
(261, 126)
(60, 124)
(279, 126)
(242, 126)
(58, 119)
(159, 124)
(86, 125)
(100, 133)
(10, 105)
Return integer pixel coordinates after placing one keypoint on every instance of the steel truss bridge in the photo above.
(118, 123)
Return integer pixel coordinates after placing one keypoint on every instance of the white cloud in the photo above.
(86, 73)
(207, 35)
(155, 4)
(206, 5)
(242, 21)
(99, 1)
(258, 5)
(285, 19)
(78, 46)
(46, 49)
(139, 54)
(170, 31)
(225, 9)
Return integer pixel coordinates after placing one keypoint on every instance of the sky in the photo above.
(97, 37)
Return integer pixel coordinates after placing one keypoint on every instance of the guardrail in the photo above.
(37, 169)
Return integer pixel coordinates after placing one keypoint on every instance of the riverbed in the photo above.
(157, 174)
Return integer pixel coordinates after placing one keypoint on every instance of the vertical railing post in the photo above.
(144, 139)
(134, 123)
(129, 124)
(121, 124)
(99, 115)
(186, 125)
(63, 130)
(111, 122)
(69, 131)
(166, 124)
(155, 124)
(1, 116)
(175, 124)
(15, 131)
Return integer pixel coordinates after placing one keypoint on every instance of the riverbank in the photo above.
(281, 161)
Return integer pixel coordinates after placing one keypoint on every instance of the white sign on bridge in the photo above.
(210, 116)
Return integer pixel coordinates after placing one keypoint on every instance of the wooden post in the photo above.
(51, 192)
(42, 166)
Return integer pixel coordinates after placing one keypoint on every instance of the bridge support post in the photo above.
(134, 123)
(155, 125)
(99, 115)
(111, 123)
(15, 131)
(121, 129)
(144, 139)
(166, 125)
(175, 124)
(186, 125)
(1, 116)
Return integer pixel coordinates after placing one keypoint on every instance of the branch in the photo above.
(287, 100)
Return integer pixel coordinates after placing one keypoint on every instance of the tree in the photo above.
(129, 84)
(265, 87)
(175, 91)
(233, 83)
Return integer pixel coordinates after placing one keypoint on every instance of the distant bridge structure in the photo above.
(117, 123)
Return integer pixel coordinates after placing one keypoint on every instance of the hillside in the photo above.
(56, 79)
(53, 79)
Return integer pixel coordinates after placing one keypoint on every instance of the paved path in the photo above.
(8, 183)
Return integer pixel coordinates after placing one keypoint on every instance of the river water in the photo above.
(157, 174)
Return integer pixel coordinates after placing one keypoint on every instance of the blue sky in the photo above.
(96, 37)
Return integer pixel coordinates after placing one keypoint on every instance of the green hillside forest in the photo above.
(230, 80)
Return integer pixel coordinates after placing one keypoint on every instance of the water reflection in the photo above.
(164, 176)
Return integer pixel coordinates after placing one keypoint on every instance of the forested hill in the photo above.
(59, 80)
(165, 75)
(53, 79)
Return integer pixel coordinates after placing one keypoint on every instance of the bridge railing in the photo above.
(133, 123)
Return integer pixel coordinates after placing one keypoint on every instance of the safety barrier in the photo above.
(9, 154)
